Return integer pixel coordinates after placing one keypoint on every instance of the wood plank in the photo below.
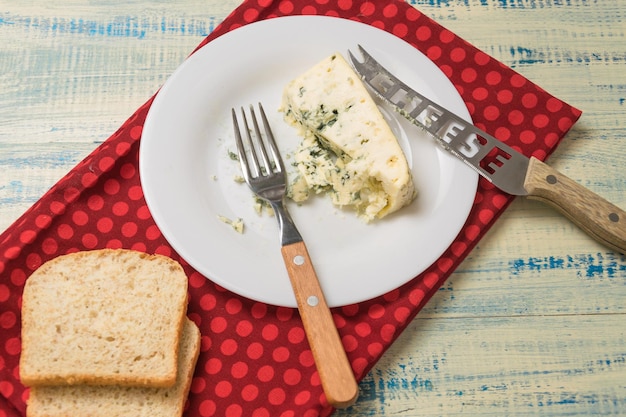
(73, 71)
(495, 366)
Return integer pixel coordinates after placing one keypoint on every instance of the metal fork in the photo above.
(265, 174)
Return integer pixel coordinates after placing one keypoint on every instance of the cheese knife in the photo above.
(506, 168)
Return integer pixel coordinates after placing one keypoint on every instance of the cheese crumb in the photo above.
(262, 206)
(236, 224)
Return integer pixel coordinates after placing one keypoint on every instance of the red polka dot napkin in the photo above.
(255, 360)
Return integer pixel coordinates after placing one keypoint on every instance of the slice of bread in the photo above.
(103, 317)
(116, 401)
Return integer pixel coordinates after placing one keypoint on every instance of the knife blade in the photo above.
(508, 169)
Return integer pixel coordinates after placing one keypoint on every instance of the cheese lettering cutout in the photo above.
(348, 150)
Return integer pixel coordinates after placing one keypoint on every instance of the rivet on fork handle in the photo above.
(336, 374)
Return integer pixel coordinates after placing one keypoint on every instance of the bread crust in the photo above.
(116, 401)
(103, 317)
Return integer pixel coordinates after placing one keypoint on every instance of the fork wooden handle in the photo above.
(335, 372)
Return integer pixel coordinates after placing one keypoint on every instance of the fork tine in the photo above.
(272, 142)
(253, 153)
(260, 143)
(241, 150)
(269, 161)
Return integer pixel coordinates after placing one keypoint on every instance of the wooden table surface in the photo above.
(532, 323)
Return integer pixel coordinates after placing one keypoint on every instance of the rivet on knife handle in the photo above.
(602, 220)
(505, 167)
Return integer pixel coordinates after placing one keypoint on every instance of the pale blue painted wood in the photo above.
(532, 323)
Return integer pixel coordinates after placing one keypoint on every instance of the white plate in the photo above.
(188, 177)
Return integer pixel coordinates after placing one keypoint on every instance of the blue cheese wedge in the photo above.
(348, 150)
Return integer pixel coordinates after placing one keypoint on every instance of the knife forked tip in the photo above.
(353, 58)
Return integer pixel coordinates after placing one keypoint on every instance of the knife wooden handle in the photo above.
(599, 218)
(335, 372)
